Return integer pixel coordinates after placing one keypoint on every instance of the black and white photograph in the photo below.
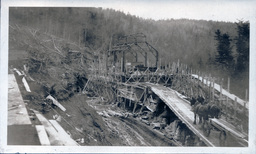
(128, 76)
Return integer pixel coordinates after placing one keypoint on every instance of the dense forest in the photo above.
(217, 48)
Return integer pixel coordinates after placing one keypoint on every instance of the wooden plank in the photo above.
(223, 125)
(56, 102)
(63, 133)
(43, 138)
(26, 84)
(52, 132)
(17, 71)
(55, 137)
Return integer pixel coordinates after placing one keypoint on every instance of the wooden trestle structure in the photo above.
(134, 85)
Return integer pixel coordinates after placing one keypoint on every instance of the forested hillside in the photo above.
(193, 42)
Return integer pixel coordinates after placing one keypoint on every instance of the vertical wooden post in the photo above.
(135, 103)
(221, 93)
(124, 60)
(191, 92)
(186, 69)
(181, 68)
(148, 73)
(125, 67)
(160, 63)
(226, 106)
(124, 96)
(235, 107)
(122, 66)
(146, 59)
(165, 65)
(198, 82)
(191, 75)
(191, 84)
(144, 99)
(213, 90)
(178, 64)
(209, 87)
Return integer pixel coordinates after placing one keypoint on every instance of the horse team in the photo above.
(204, 110)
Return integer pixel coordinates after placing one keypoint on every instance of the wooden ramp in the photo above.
(182, 109)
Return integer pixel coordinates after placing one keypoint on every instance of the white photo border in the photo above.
(5, 4)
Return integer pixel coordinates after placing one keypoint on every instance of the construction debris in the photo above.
(55, 102)
(26, 84)
(17, 71)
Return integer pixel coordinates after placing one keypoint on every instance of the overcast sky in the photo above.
(224, 10)
(211, 10)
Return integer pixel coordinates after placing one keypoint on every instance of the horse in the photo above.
(205, 111)
(200, 110)
(214, 111)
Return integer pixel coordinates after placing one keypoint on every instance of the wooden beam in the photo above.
(26, 84)
(135, 105)
(42, 135)
(146, 59)
(221, 101)
(213, 90)
(55, 102)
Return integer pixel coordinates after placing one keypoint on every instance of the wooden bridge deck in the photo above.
(182, 109)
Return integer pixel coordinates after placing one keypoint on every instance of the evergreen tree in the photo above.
(242, 46)
(224, 57)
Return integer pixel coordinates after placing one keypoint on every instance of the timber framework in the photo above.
(131, 75)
